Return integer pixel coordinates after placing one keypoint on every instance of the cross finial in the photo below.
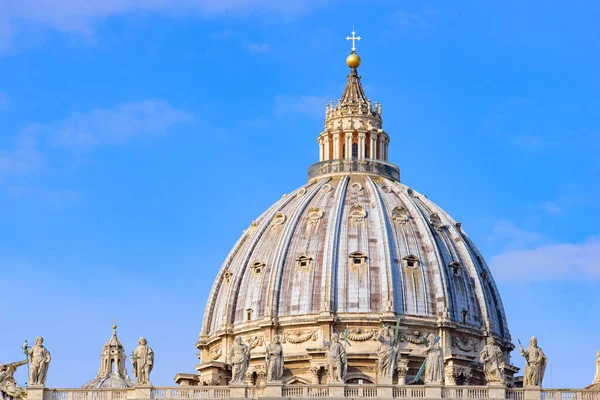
(353, 38)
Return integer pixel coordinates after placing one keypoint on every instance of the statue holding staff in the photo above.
(39, 359)
(535, 366)
(143, 362)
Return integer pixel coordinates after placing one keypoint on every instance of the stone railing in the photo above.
(333, 391)
(375, 167)
(569, 394)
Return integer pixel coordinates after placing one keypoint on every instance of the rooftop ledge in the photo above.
(343, 167)
(341, 391)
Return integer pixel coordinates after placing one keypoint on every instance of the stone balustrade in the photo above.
(341, 391)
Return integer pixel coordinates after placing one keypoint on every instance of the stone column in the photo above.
(348, 145)
(361, 145)
(336, 145)
(321, 150)
(373, 138)
(327, 153)
(402, 371)
(381, 148)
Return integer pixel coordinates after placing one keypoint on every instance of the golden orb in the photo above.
(353, 60)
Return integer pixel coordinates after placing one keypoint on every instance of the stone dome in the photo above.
(353, 250)
(113, 372)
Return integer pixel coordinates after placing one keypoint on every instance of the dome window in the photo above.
(248, 314)
(356, 187)
(436, 221)
(357, 213)
(411, 261)
(279, 219)
(399, 215)
(455, 267)
(304, 262)
(257, 267)
(314, 216)
(358, 259)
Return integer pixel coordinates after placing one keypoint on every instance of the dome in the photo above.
(355, 244)
(112, 373)
(353, 250)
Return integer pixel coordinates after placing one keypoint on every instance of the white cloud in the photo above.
(568, 261)
(511, 237)
(257, 47)
(55, 197)
(313, 106)
(102, 127)
(3, 100)
(80, 16)
(23, 157)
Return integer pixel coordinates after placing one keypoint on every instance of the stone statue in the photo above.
(39, 358)
(535, 365)
(434, 361)
(143, 361)
(239, 357)
(8, 385)
(336, 360)
(493, 367)
(274, 360)
(386, 352)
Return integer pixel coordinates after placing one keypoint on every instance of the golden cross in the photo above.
(353, 38)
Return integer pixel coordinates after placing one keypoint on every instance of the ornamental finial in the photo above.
(353, 60)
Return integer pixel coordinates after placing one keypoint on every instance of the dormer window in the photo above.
(257, 267)
(411, 261)
(304, 262)
(249, 314)
(358, 259)
(455, 267)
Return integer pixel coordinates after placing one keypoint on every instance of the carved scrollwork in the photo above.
(464, 344)
(414, 337)
(299, 337)
(216, 352)
(256, 341)
(360, 335)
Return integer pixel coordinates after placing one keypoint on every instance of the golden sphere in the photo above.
(353, 60)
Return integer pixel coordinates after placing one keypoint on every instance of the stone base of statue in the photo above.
(336, 389)
(385, 391)
(433, 391)
(35, 392)
(273, 388)
(142, 390)
(237, 390)
(497, 390)
(384, 380)
(532, 392)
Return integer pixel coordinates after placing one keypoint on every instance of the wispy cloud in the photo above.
(569, 261)
(313, 106)
(125, 122)
(55, 197)
(3, 100)
(24, 156)
(81, 16)
(89, 130)
(257, 47)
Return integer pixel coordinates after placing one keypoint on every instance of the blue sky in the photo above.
(140, 137)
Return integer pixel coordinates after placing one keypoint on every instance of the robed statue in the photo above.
(336, 360)
(434, 361)
(239, 357)
(535, 363)
(8, 385)
(39, 359)
(386, 352)
(274, 360)
(493, 366)
(143, 362)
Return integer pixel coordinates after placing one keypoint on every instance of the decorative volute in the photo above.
(353, 133)
(113, 372)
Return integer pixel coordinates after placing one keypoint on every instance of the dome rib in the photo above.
(281, 252)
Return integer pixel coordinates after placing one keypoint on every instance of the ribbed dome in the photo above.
(353, 251)
(355, 244)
